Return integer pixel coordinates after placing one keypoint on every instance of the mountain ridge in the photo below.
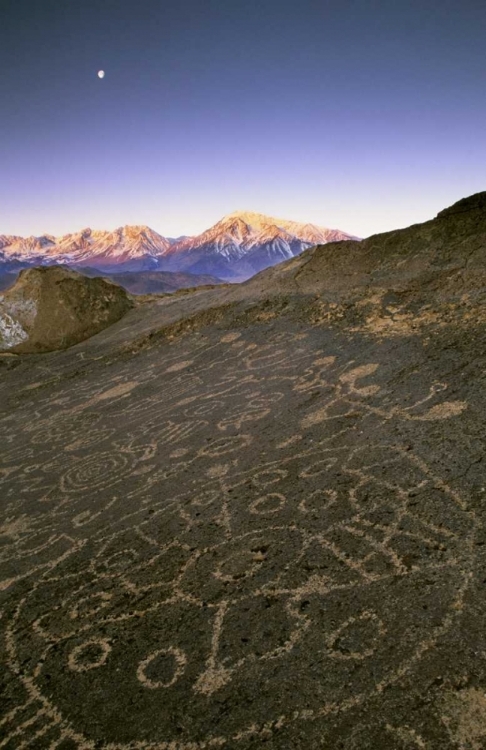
(239, 245)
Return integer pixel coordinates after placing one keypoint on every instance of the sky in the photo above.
(362, 115)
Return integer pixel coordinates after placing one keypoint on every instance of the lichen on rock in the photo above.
(11, 332)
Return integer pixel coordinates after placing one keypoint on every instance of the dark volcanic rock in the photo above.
(54, 308)
(254, 517)
(476, 202)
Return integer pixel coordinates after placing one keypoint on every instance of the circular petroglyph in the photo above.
(267, 505)
(97, 471)
(89, 655)
(116, 562)
(244, 568)
(240, 565)
(317, 501)
(357, 638)
(156, 663)
(16, 455)
(268, 477)
(91, 605)
(266, 356)
(206, 408)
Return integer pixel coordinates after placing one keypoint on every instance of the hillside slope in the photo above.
(154, 282)
(254, 516)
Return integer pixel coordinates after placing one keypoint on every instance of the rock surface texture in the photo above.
(54, 308)
(253, 516)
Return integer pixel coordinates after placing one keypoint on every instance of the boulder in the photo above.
(54, 308)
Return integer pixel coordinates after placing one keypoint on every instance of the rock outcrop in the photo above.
(54, 308)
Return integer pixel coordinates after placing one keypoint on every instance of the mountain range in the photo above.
(235, 248)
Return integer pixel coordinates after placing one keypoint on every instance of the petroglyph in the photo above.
(219, 531)
(89, 655)
(179, 659)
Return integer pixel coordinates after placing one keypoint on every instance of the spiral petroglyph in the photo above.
(98, 471)
(232, 527)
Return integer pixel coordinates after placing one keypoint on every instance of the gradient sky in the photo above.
(365, 115)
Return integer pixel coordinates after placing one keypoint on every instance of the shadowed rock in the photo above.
(476, 202)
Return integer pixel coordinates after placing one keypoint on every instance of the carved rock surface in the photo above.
(253, 517)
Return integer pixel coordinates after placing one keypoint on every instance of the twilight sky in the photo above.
(364, 115)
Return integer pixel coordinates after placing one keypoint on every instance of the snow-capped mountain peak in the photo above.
(245, 242)
(240, 244)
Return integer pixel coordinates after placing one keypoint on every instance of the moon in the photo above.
(101, 74)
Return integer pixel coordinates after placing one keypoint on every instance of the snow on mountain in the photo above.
(304, 232)
(244, 242)
(26, 247)
(130, 247)
(125, 244)
(6, 240)
(238, 245)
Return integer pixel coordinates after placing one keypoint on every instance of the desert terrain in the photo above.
(252, 516)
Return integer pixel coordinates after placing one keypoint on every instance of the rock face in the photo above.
(254, 516)
(54, 308)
